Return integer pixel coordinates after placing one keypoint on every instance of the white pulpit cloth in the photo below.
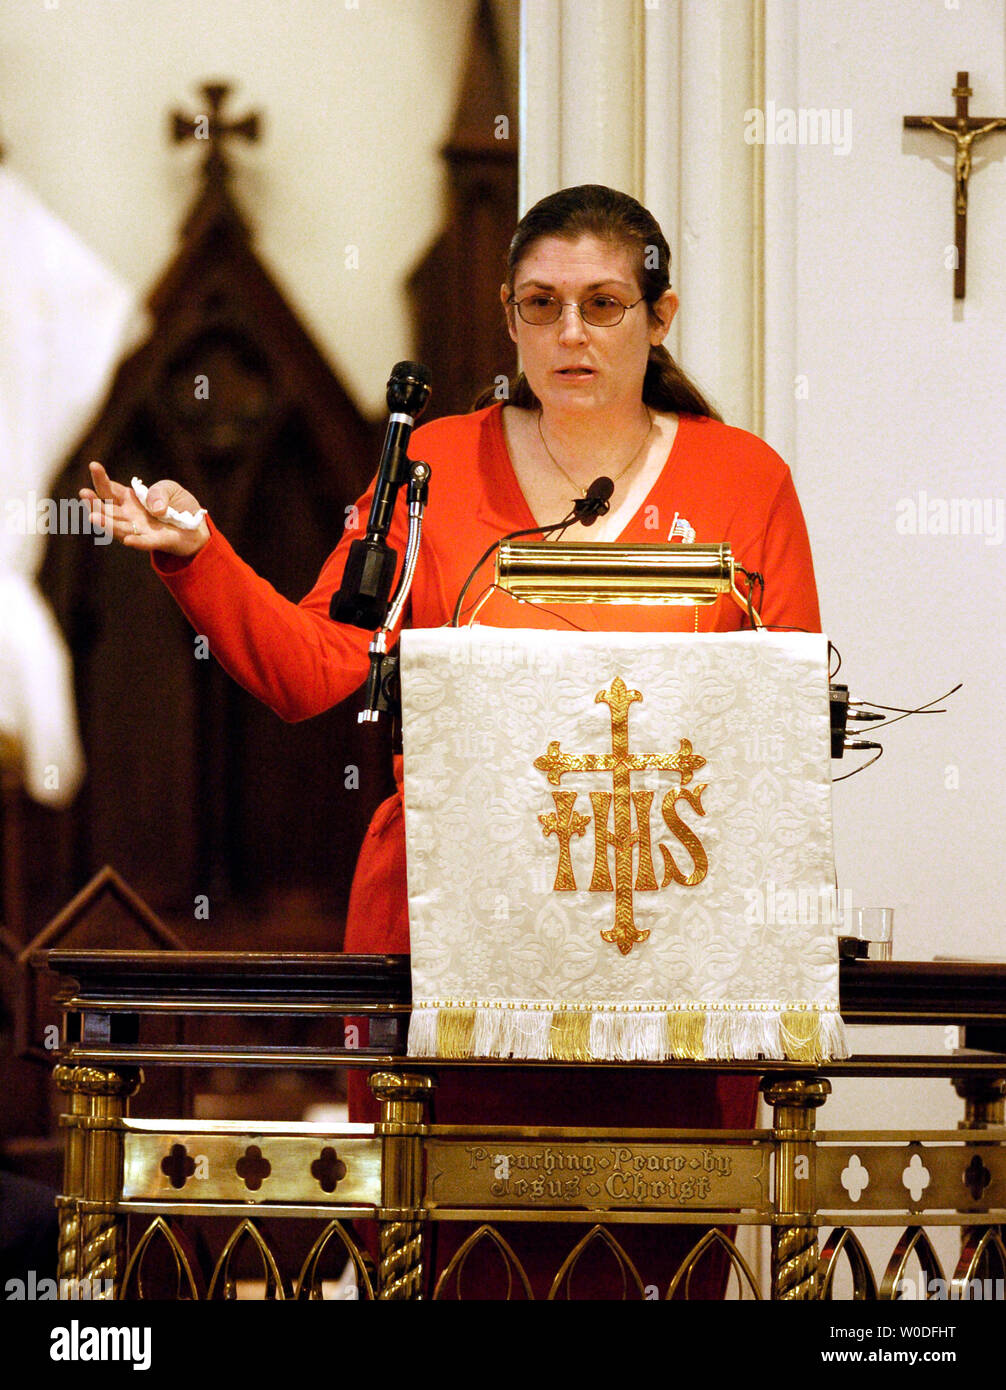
(619, 845)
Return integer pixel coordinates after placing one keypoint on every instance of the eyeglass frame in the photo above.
(573, 304)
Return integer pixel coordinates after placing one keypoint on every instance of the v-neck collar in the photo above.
(502, 503)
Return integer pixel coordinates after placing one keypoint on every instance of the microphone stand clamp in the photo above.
(383, 694)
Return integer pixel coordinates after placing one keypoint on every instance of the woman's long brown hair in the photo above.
(591, 209)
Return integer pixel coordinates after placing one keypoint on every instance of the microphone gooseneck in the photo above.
(586, 510)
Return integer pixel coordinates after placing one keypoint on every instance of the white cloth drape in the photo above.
(65, 319)
(558, 908)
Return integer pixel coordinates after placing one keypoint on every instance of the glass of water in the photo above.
(875, 926)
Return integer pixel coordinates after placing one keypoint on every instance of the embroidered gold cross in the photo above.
(565, 822)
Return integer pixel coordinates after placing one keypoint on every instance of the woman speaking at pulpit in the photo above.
(588, 302)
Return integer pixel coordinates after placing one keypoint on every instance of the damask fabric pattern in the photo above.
(619, 845)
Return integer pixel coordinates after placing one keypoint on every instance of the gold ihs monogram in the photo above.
(565, 821)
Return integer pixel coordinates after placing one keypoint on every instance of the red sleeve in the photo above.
(292, 656)
(790, 598)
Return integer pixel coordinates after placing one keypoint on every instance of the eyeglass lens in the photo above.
(600, 310)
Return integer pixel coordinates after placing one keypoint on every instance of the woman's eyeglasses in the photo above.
(599, 310)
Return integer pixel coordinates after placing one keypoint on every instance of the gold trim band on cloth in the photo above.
(686, 1031)
(801, 1032)
(805, 1033)
(569, 1036)
(455, 1029)
(598, 1006)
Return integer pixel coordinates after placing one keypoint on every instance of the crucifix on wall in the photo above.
(964, 130)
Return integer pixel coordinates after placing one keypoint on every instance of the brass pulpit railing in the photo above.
(407, 1174)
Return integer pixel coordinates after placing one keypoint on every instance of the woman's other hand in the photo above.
(117, 509)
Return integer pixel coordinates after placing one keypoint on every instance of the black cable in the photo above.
(553, 614)
(539, 606)
(904, 714)
(560, 526)
(755, 580)
(863, 766)
(759, 580)
(922, 709)
(476, 601)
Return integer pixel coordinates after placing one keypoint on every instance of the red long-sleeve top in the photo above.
(726, 484)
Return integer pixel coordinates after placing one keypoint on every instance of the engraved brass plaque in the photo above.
(598, 1176)
(251, 1167)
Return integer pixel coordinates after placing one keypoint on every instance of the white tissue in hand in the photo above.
(185, 521)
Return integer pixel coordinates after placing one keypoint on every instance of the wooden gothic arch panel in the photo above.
(196, 793)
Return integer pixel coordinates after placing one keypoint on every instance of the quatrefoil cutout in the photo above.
(916, 1177)
(855, 1178)
(252, 1168)
(328, 1170)
(976, 1177)
(178, 1165)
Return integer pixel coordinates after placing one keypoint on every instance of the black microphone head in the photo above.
(408, 388)
(601, 489)
(594, 502)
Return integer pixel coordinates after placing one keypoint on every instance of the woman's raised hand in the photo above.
(117, 508)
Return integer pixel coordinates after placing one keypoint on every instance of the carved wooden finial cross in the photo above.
(211, 127)
(964, 130)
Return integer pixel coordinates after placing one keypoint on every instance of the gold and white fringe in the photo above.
(794, 1032)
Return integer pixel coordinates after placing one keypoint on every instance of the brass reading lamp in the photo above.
(579, 572)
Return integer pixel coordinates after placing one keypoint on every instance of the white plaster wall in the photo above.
(357, 98)
(649, 96)
(904, 393)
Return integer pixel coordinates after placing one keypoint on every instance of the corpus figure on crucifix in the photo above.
(964, 130)
(963, 139)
